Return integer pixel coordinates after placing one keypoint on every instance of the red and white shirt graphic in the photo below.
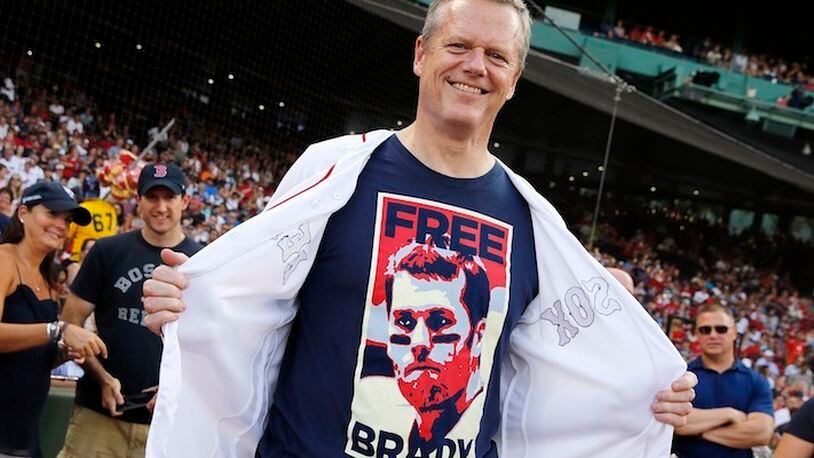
(436, 308)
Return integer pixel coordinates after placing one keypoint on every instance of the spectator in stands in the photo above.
(713, 56)
(105, 224)
(791, 403)
(673, 44)
(5, 209)
(635, 34)
(11, 160)
(7, 91)
(726, 58)
(648, 37)
(659, 39)
(15, 185)
(624, 278)
(700, 50)
(32, 172)
(794, 75)
(73, 268)
(619, 31)
(6, 202)
(733, 410)
(61, 289)
(799, 99)
(605, 29)
(90, 185)
(740, 62)
(798, 439)
(109, 285)
(30, 330)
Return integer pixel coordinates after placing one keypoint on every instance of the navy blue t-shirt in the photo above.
(802, 422)
(738, 387)
(405, 316)
(111, 278)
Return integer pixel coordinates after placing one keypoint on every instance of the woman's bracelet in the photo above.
(63, 325)
(53, 331)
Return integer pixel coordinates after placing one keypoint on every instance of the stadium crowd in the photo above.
(678, 266)
(63, 136)
(760, 65)
(48, 133)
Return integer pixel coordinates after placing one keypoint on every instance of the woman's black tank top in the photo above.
(25, 375)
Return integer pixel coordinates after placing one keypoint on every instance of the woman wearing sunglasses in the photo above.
(732, 411)
(29, 329)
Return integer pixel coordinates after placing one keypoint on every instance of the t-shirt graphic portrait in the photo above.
(436, 304)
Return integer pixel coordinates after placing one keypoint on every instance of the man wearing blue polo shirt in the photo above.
(732, 411)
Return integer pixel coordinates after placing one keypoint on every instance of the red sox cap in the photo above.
(168, 175)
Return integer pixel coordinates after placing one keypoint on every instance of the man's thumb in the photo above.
(173, 258)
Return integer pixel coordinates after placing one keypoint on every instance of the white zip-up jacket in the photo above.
(583, 368)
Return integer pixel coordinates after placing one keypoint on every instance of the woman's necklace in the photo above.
(30, 273)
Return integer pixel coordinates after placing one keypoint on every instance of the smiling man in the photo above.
(376, 305)
(109, 285)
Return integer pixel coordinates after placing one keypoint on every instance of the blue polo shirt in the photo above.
(738, 387)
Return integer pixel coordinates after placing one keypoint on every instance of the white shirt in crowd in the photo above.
(742, 325)
(782, 416)
(57, 109)
(74, 126)
(700, 296)
(14, 164)
(32, 175)
(232, 203)
(765, 360)
(8, 89)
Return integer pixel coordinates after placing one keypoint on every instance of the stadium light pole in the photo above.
(621, 86)
(616, 99)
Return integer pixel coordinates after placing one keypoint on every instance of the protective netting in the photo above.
(256, 83)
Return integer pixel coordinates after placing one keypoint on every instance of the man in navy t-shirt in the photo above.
(417, 283)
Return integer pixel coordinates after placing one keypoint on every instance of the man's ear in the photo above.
(514, 85)
(418, 56)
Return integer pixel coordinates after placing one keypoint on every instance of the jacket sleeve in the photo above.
(585, 362)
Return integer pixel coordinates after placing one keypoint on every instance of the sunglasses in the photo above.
(707, 330)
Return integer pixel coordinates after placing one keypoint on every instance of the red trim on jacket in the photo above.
(330, 170)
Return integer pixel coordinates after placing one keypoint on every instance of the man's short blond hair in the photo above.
(435, 16)
(715, 308)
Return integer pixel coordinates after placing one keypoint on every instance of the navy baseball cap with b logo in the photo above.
(57, 198)
(168, 175)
